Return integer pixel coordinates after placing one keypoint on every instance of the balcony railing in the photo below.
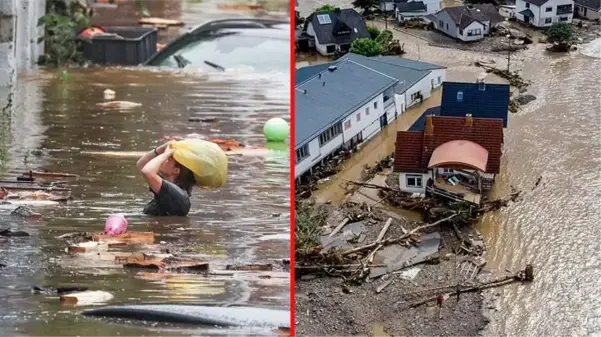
(388, 103)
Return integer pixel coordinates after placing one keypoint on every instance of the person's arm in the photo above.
(150, 171)
(150, 155)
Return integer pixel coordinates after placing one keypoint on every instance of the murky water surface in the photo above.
(246, 221)
(556, 226)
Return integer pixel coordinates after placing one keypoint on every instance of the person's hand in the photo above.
(169, 151)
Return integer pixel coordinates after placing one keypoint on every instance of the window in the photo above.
(445, 170)
(330, 134)
(375, 107)
(460, 96)
(440, 23)
(439, 79)
(549, 9)
(367, 111)
(548, 20)
(324, 19)
(302, 153)
(359, 115)
(347, 125)
(447, 26)
(563, 18)
(527, 5)
(414, 180)
(416, 95)
(461, 32)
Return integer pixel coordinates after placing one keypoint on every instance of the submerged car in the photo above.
(259, 44)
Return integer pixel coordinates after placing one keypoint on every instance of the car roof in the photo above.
(273, 29)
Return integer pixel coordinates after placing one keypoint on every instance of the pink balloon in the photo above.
(116, 224)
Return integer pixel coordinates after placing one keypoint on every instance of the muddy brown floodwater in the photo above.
(246, 221)
(556, 227)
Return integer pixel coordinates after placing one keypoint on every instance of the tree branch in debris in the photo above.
(400, 238)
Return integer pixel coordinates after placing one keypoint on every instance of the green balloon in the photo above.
(276, 130)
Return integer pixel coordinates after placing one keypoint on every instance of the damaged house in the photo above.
(456, 158)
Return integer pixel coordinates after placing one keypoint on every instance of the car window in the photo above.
(232, 51)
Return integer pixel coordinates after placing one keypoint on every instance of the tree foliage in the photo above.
(374, 32)
(560, 32)
(326, 8)
(64, 19)
(365, 5)
(366, 47)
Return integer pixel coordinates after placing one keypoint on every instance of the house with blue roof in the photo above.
(479, 99)
(348, 101)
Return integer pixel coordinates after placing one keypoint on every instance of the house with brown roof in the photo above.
(454, 157)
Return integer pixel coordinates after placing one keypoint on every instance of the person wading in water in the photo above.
(170, 182)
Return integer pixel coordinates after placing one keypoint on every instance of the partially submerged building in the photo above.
(347, 102)
(454, 157)
(466, 23)
(480, 99)
(544, 13)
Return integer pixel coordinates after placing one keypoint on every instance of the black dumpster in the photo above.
(121, 46)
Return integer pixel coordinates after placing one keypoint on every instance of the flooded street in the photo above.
(55, 119)
(555, 227)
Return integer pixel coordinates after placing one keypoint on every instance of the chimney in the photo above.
(469, 121)
(481, 84)
(429, 125)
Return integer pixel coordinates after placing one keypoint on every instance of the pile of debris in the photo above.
(321, 173)
(514, 78)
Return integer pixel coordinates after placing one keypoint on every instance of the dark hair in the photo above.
(186, 179)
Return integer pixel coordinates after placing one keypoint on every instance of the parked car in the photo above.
(260, 44)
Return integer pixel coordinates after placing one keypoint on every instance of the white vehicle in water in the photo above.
(260, 44)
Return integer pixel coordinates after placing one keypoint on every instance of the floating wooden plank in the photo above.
(250, 267)
(153, 21)
(239, 7)
(44, 175)
(128, 237)
(86, 298)
(86, 247)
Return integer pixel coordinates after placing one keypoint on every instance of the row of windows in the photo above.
(330, 134)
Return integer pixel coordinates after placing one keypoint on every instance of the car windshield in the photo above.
(231, 50)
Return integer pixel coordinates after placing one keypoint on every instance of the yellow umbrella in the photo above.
(206, 160)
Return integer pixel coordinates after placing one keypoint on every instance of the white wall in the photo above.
(507, 11)
(317, 153)
(366, 124)
(386, 6)
(447, 21)
(473, 26)
(403, 182)
(540, 13)
(425, 85)
(19, 49)
(432, 6)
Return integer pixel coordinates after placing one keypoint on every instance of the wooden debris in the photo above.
(86, 247)
(239, 7)
(339, 227)
(160, 22)
(251, 267)
(86, 298)
(119, 104)
(384, 230)
(383, 286)
(128, 238)
(48, 175)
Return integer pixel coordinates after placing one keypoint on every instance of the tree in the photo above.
(365, 5)
(366, 47)
(326, 8)
(384, 37)
(560, 32)
(374, 32)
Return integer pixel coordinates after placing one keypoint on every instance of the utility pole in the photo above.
(508, 51)
(385, 18)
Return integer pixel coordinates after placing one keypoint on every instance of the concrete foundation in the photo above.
(19, 35)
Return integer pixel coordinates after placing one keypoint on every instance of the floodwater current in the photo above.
(55, 118)
(555, 226)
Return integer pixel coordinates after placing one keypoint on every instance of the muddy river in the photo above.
(556, 226)
(55, 119)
